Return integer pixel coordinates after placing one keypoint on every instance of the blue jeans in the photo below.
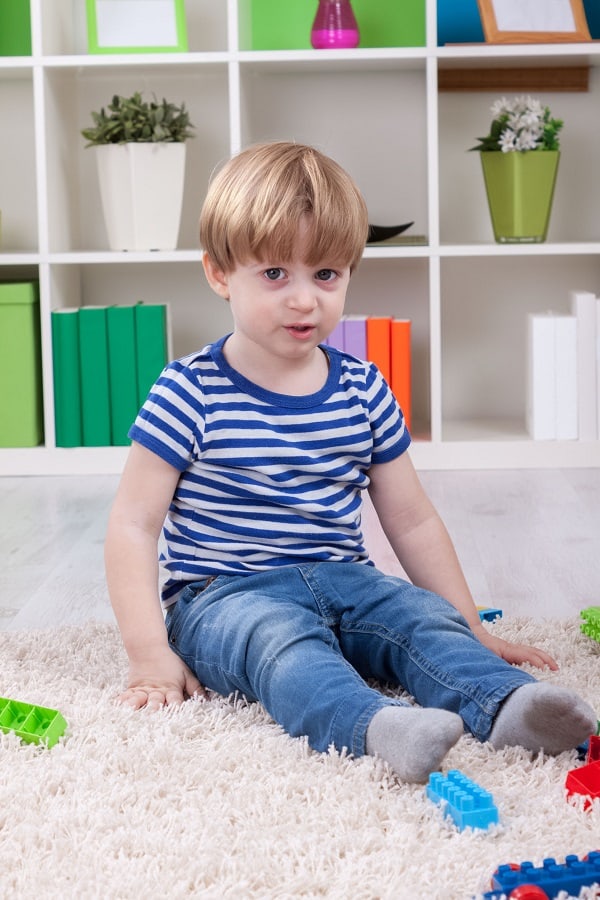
(303, 639)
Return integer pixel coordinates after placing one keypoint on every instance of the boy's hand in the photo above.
(515, 654)
(162, 680)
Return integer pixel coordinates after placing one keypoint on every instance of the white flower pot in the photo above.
(141, 186)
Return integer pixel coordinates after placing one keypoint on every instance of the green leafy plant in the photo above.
(519, 125)
(132, 119)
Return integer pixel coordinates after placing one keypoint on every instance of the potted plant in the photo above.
(519, 157)
(140, 156)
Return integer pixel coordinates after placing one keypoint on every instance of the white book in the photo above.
(583, 307)
(565, 377)
(541, 380)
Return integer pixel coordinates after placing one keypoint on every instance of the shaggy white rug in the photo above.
(212, 800)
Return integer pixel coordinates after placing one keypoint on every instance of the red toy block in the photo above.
(593, 753)
(585, 780)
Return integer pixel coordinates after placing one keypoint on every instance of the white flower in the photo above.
(521, 124)
(531, 119)
(526, 140)
(500, 107)
(508, 140)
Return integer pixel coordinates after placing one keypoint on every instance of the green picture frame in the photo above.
(136, 26)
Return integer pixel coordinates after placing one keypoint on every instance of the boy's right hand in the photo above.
(160, 680)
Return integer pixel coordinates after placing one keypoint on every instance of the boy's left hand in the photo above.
(515, 654)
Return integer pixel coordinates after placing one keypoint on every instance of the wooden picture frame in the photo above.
(136, 26)
(533, 21)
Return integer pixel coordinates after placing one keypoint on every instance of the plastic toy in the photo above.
(466, 803)
(528, 892)
(548, 880)
(591, 622)
(489, 613)
(33, 724)
(585, 780)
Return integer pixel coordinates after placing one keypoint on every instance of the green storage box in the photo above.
(276, 25)
(15, 28)
(21, 417)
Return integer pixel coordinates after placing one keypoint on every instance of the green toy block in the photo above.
(591, 622)
(33, 724)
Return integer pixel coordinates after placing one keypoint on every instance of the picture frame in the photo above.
(533, 21)
(136, 26)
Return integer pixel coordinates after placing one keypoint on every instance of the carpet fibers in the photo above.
(212, 800)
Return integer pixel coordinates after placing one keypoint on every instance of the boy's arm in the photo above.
(423, 546)
(156, 674)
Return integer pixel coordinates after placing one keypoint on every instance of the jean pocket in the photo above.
(190, 596)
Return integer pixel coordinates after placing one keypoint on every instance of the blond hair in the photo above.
(257, 202)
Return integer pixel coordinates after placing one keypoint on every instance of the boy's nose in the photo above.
(303, 298)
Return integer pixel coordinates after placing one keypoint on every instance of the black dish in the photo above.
(384, 232)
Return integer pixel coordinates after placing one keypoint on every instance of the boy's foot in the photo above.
(543, 716)
(414, 741)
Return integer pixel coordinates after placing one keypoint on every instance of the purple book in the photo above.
(355, 336)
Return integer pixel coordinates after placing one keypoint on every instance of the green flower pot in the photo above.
(520, 188)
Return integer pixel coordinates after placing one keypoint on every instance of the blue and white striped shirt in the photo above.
(266, 479)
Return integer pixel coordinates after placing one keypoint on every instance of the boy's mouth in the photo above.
(301, 330)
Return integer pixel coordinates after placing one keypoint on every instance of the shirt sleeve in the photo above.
(171, 420)
(391, 437)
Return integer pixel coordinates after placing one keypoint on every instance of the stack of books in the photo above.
(386, 342)
(105, 360)
(563, 389)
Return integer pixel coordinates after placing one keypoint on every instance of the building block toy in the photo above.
(551, 877)
(585, 780)
(489, 613)
(464, 801)
(591, 622)
(593, 752)
(33, 724)
(590, 749)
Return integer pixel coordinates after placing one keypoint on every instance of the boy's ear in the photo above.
(215, 276)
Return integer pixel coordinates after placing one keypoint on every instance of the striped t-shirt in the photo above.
(267, 479)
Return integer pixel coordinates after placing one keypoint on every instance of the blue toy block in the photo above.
(489, 613)
(551, 877)
(467, 804)
(33, 724)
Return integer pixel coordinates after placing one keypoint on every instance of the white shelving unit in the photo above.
(377, 111)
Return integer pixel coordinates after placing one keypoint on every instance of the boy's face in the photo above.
(283, 309)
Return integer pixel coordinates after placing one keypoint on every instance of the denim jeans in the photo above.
(303, 640)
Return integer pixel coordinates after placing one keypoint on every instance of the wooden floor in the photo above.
(529, 542)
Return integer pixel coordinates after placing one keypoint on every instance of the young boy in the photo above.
(256, 450)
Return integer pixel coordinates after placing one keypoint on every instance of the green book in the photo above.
(151, 345)
(67, 383)
(21, 413)
(95, 396)
(15, 28)
(122, 370)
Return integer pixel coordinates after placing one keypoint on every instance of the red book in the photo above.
(379, 349)
(400, 365)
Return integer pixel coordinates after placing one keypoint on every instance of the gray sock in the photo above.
(412, 740)
(543, 716)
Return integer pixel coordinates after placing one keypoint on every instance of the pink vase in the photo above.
(334, 26)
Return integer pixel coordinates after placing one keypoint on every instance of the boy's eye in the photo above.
(325, 275)
(274, 273)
